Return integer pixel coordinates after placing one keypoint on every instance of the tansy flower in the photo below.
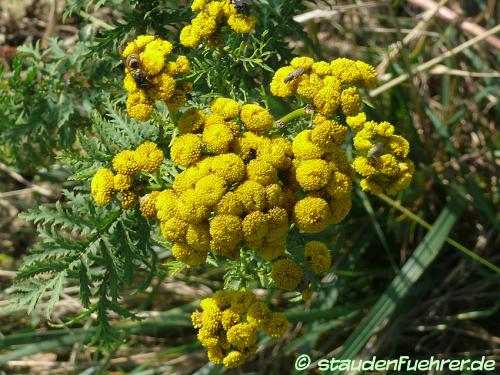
(102, 186)
(241, 301)
(217, 138)
(256, 118)
(139, 106)
(189, 36)
(188, 254)
(252, 195)
(339, 185)
(166, 204)
(309, 85)
(242, 335)
(162, 87)
(210, 190)
(258, 313)
(174, 229)
(276, 326)
(321, 68)
(190, 208)
(356, 122)
(191, 121)
(226, 108)
(179, 97)
(230, 167)
(230, 318)
(122, 182)
(327, 133)
(148, 205)
(128, 199)
(313, 174)
(312, 214)
(125, 162)
(317, 256)
(304, 148)
(339, 208)
(274, 196)
(302, 62)
(198, 237)
(186, 150)
(149, 157)
(262, 172)
(241, 23)
(278, 85)
(287, 274)
(226, 232)
(233, 359)
(351, 101)
(187, 179)
(255, 226)
(230, 205)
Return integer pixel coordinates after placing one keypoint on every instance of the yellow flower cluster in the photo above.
(229, 323)
(386, 167)
(105, 184)
(234, 197)
(149, 76)
(330, 87)
(211, 16)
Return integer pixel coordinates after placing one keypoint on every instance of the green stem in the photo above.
(293, 115)
(426, 225)
(153, 187)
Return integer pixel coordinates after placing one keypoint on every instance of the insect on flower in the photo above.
(134, 67)
(242, 6)
(294, 75)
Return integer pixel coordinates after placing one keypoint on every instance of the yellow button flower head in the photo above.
(302, 62)
(189, 36)
(309, 85)
(174, 229)
(191, 121)
(187, 179)
(313, 174)
(162, 87)
(122, 182)
(129, 84)
(318, 256)
(210, 190)
(312, 214)
(339, 209)
(233, 359)
(255, 226)
(321, 68)
(275, 196)
(242, 335)
(188, 255)
(179, 97)
(148, 205)
(230, 205)
(262, 172)
(278, 153)
(278, 85)
(226, 108)
(198, 237)
(399, 146)
(258, 313)
(166, 205)
(102, 187)
(357, 122)
(304, 148)
(278, 221)
(287, 274)
(368, 74)
(276, 326)
(128, 199)
(351, 101)
(203, 24)
(327, 133)
(230, 318)
(339, 186)
(190, 207)
(241, 23)
(252, 195)
(226, 232)
(218, 138)
(139, 106)
(256, 118)
(137, 46)
(230, 167)
(241, 300)
(346, 70)
(327, 99)
(272, 248)
(149, 157)
(186, 150)
(125, 162)
(198, 5)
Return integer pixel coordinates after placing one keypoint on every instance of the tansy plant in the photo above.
(204, 179)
